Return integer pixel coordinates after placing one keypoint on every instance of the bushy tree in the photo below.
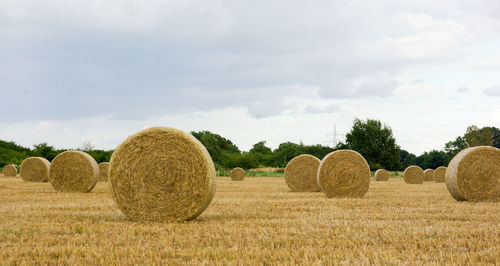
(375, 142)
(476, 137)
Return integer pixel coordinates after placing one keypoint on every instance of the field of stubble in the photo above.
(257, 221)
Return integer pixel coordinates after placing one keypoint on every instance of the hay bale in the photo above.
(439, 174)
(9, 170)
(73, 171)
(300, 173)
(414, 175)
(35, 169)
(344, 173)
(429, 175)
(381, 175)
(103, 172)
(237, 174)
(162, 174)
(474, 174)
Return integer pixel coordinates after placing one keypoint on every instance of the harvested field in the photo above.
(255, 221)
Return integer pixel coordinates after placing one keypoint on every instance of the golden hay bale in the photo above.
(9, 170)
(237, 174)
(73, 171)
(439, 174)
(381, 175)
(344, 173)
(103, 172)
(414, 175)
(474, 174)
(429, 175)
(162, 174)
(300, 173)
(35, 169)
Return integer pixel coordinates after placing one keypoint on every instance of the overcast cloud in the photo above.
(72, 71)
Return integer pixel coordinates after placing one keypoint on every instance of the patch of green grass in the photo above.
(16, 233)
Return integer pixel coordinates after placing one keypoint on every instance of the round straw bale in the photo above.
(429, 175)
(300, 173)
(474, 174)
(162, 174)
(237, 174)
(381, 175)
(9, 170)
(414, 175)
(344, 173)
(73, 171)
(103, 171)
(439, 174)
(35, 169)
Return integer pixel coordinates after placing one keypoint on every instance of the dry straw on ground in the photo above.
(103, 171)
(414, 175)
(35, 169)
(300, 173)
(381, 175)
(439, 174)
(162, 174)
(73, 171)
(429, 175)
(344, 173)
(9, 170)
(474, 174)
(237, 174)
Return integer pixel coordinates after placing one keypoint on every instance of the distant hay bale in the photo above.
(300, 173)
(344, 173)
(381, 175)
(237, 174)
(439, 174)
(73, 171)
(162, 174)
(9, 170)
(414, 175)
(474, 174)
(429, 175)
(103, 171)
(35, 169)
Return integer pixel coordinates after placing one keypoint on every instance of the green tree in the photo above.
(375, 142)
(285, 152)
(406, 159)
(220, 148)
(260, 147)
(477, 137)
(46, 151)
(455, 146)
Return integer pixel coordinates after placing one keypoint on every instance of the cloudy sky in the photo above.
(282, 70)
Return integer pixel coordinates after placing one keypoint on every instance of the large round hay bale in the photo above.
(429, 175)
(9, 170)
(35, 169)
(414, 175)
(73, 171)
(474, 174)
(300, 173)
(439, 174)
(237, 174)
(103, 171)
(344, 173)
(162, 174)
(381, 175)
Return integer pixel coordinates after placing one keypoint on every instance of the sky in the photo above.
(98, 71)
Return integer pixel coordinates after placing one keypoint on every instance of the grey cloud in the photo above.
(312, 109)
(463, 89)
(492, 91)
(134, 60)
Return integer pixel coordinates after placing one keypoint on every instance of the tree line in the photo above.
(371, 138)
